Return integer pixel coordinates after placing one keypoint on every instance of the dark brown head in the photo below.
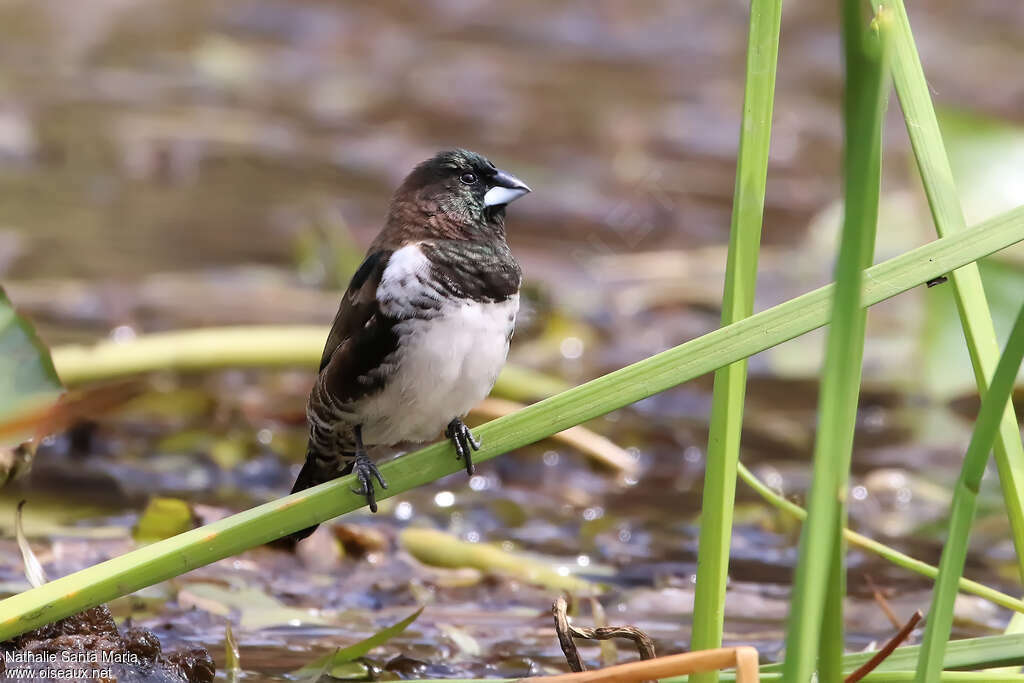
(457, 194)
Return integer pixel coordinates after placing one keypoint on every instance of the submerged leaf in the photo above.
(256, 608)
(163, 518)
(444, 550)
(338, 664)
(466, 643)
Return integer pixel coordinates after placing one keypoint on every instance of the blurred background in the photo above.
(171, 164)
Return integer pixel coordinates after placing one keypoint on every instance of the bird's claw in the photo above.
(366, 472)
(464, 442)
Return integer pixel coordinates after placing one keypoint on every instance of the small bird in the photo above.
(424, 327)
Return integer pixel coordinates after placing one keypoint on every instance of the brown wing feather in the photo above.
(358, 304)
(361, 338)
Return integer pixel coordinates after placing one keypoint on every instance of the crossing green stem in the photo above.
(972, 305)
(174, 556)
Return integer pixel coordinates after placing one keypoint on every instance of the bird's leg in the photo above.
(464, 442)
(366, 472)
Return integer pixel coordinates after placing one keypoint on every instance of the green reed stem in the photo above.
(885, 552)
(816, 613)
(737, 303)
(937, 175)
(174, 556)
(964, 505)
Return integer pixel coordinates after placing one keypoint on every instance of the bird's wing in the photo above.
(361, 336)
(358, 304)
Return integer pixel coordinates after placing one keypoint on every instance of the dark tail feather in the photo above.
(316, 470)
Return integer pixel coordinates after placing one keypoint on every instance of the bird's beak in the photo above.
(507, 188)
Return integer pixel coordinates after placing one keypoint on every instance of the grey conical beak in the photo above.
(506, 188)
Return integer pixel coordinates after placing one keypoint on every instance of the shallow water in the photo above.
(176, 164)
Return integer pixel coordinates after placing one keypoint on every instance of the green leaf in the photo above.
(332, 663)
(28, 381)
(970, 653)
(255, 608)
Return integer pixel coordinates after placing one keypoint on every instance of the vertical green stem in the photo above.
(937, 176)
(737, 303)
(815, 630)
(965, 498)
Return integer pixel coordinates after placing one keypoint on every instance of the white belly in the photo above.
(445, 366)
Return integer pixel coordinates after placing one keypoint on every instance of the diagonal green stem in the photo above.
(937, 175)
(174, 556)
(890, 554)
(737, 303)
(965, 500)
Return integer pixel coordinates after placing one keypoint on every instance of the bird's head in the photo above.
(462, 192)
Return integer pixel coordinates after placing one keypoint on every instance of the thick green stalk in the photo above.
(937, 176)
(737, 303)
(820, 577)
(964, 505)
(174, 556)
(885, 552)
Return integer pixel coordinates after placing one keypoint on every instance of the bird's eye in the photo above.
(468, 178)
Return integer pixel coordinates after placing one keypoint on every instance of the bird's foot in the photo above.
(366, 472)
(464, 441)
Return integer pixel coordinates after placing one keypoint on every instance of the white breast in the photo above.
(445, 364)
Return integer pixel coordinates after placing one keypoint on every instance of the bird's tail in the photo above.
(318, 468)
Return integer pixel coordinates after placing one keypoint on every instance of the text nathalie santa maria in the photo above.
(72, 657)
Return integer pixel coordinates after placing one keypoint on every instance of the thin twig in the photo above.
(882, 602)
(566, 633)
(643, 642)
(894, 642)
